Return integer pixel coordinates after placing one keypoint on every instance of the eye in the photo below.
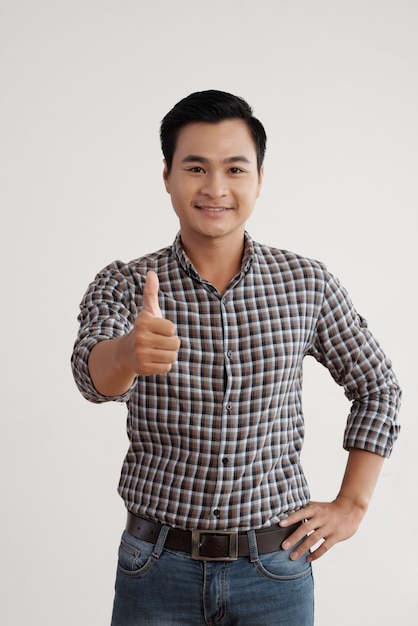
(196, 169)
(235, 170)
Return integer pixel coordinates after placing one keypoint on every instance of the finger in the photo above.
(294, 518)
(151, 303)
(308, 511)
(163, 356)
(312, 542)
(316, 553)
(164, 338)
(160, 328)
(296, 537)
(164, 341)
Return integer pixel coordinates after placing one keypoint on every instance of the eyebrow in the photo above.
(194, 158)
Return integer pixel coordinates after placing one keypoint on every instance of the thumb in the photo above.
(150, 303)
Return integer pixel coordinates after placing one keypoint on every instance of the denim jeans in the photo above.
(161, 587)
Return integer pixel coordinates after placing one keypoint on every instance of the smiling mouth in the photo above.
(213, 209)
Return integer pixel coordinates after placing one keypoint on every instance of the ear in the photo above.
(166, 176)
(260, 180)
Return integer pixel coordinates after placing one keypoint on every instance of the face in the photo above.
(214, 181)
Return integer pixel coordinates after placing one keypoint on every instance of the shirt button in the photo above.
(217, 513)
(229, 354)
(225, 460)
(229, 406)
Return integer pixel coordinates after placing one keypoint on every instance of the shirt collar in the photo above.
(187, 265)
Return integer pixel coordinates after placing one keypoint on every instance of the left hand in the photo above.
(329, 522)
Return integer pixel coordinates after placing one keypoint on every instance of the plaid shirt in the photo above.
(215, 444)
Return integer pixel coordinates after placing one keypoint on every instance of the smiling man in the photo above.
(204, 341)
(214, 179)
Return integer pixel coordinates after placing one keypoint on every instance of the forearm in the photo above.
(360, 478)
(107, 366)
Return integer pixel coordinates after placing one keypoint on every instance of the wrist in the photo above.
(121, 356)
(355, 503)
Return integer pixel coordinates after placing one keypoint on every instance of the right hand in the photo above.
(152, 343)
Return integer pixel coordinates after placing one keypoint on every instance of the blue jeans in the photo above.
(161, 587)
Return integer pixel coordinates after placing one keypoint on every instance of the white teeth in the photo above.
(211, 208)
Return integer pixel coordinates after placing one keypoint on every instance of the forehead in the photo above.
(216, 140)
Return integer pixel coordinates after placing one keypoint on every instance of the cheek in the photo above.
(180, 199)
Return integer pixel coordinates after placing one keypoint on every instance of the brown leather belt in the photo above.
(204, 545)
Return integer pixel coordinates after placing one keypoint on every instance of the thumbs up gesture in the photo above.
(150, 348)
(154, 345)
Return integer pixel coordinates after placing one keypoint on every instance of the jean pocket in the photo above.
(135, 556)
(279, 567)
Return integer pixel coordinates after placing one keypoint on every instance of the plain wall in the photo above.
(84, 85)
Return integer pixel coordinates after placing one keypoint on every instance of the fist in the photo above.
(153, 340)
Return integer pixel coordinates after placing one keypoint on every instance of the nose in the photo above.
(215, 185)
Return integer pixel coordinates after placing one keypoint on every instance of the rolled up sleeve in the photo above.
(345, 346)
(107, 311)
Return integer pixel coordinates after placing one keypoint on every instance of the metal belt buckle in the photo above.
(197, 544)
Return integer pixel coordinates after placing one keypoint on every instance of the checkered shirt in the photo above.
(215, 444)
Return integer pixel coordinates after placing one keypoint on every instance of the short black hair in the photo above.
(209, 106)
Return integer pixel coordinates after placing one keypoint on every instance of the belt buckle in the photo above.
(197, 544)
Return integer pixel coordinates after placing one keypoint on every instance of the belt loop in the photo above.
(159, 546)
(252, 544)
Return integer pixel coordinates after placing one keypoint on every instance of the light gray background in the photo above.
(84, 85)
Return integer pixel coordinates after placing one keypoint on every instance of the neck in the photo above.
(216, 260)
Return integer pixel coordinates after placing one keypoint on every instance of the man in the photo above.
(204, 341)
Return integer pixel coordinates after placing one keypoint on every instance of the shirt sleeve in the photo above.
(345, 346)
(108, 310)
